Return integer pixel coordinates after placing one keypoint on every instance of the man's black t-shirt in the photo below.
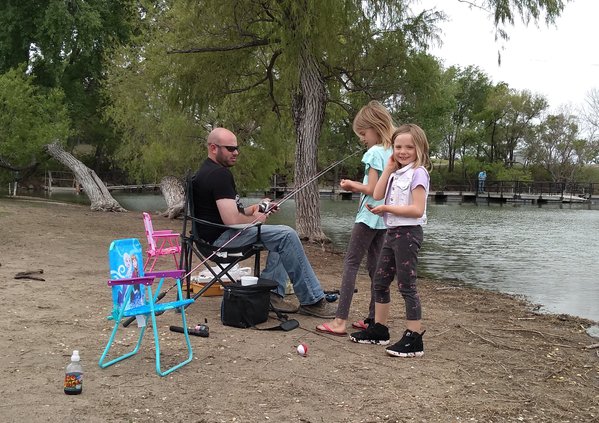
(210, 183)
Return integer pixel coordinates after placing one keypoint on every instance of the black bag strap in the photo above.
(285, 325)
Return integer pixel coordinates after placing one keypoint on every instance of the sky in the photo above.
(560, 62)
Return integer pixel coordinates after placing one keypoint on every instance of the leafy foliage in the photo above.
(554, 148)
(235, 64)
(29, 116)
(178, 68)
(63, 44)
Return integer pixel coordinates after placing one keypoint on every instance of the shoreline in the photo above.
(488, 355)
(576, 303)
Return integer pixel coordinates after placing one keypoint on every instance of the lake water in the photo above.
(548, 254)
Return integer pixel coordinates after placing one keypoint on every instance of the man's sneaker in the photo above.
(321, 308)
(410, 345)
(280, 304)
(373, 334)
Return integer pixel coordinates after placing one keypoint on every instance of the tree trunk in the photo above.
(101, 199)
(174, 195)
(308, 107)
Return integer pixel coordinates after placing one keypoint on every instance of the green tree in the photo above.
(35, 123)
(590, 118)
(509, 117)
(469, 90)
(272, 67)
(266, 67)
(425, 97)
(63, 44)
(29, 117)
(554, 147)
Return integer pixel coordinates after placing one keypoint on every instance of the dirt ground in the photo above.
(489, 357)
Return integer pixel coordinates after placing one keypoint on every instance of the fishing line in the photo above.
(269, 209)
(308, 182)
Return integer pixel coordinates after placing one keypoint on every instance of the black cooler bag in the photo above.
(246, 306)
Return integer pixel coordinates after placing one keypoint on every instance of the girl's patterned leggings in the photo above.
(399, 257)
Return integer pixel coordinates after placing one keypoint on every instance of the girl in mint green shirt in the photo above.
(374, 126)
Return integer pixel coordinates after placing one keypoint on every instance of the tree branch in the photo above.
(355, 86)
(249, 87)
(343, 105)
(5, 164)
(255, 43)
(271, 82)
(472, 4)
(268, 77)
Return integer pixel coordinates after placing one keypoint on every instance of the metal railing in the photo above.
(512, 188)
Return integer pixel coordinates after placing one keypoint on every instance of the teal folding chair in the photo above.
(132, 296)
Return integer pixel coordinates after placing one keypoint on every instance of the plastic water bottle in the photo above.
(73, 379)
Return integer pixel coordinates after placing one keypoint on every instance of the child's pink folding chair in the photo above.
(160, 243)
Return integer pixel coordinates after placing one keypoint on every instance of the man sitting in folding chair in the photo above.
(215, 199)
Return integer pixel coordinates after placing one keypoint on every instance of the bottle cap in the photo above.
(75, 356)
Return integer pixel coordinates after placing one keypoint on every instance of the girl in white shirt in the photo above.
(404, 184)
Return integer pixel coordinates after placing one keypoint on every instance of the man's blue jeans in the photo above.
(286, 257)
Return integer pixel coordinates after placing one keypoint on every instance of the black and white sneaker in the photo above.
(410, 345)
(374, 334)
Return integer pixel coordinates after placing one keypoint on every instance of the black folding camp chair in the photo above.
(225, 258)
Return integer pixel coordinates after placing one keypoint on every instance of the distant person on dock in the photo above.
(482, 177)
(374, 127)
(404, 184)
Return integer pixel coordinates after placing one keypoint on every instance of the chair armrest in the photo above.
(165, 232)
(166, 235)
(144, 280)
(218, 225)
(243, 225)
(175, 274)
(257, 225)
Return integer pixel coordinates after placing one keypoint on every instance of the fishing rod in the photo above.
(267, 208)
(309, 181)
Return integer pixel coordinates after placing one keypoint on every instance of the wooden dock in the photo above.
(497, 193)
(61, 181)
(494, 197)
(530, 192)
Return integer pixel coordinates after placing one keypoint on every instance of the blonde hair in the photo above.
(420, 142)
(375, 116)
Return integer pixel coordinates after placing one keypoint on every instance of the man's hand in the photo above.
(267, 206)
(259, 216)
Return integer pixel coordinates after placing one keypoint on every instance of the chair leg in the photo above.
(157, 340)
(103, 364)
(257, 264)
(151, 261)
(187, 254)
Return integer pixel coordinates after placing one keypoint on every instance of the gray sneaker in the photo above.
(322, 309)
(282, 305)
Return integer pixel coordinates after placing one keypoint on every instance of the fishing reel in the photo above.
(266, 206)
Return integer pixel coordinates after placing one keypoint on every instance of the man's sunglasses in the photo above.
(230, 148)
